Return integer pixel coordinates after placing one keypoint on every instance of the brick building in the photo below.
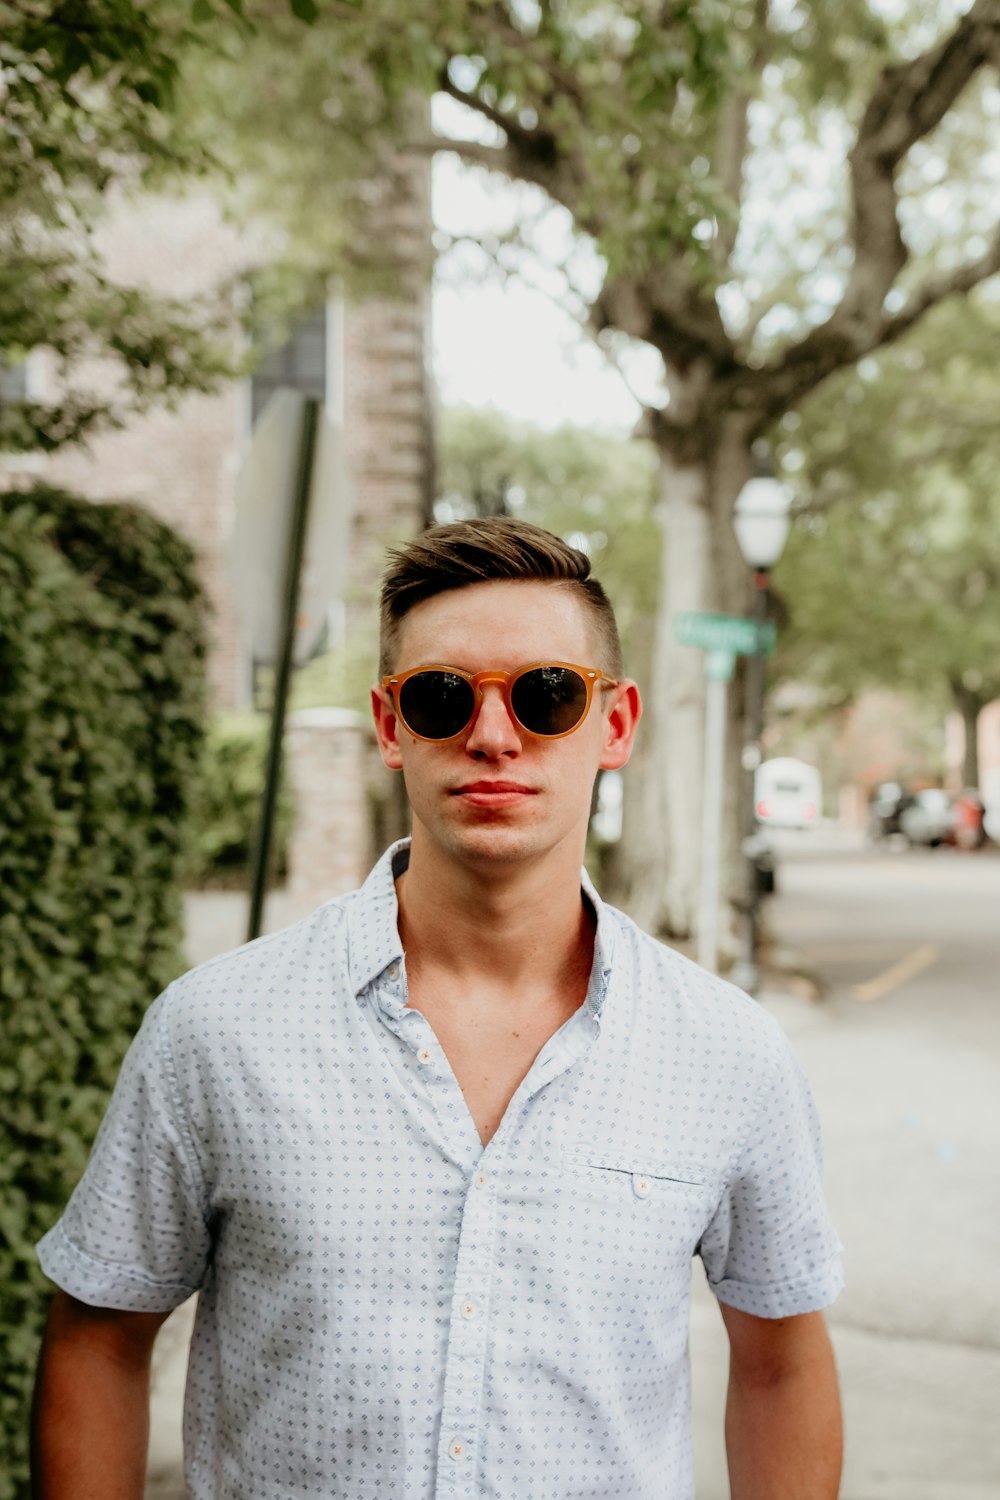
(367, 361)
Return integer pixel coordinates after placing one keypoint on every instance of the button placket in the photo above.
(464, 1366)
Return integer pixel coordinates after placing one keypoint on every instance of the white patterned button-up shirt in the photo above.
(389, 1309)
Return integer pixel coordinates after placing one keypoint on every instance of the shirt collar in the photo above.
(373, 929)
(604, 951)
(372, 919)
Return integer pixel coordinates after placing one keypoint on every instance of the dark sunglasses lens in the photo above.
(436, 704)
(549, 700)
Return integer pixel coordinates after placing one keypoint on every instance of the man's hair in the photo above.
(481, 551)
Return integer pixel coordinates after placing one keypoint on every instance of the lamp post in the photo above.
(761, 523)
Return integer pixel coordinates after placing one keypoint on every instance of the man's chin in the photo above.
(495, 843)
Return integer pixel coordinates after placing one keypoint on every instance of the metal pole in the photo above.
(746, 971)
(718, 671)
(283, 666)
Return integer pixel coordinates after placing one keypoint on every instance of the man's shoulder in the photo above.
(307, 954)
(678, 992)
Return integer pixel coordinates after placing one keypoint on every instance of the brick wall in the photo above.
(328, 755)
(182, 463)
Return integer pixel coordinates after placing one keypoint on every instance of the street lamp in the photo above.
(761, 523)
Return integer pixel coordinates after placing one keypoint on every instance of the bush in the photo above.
(225, 805)
(102, 662)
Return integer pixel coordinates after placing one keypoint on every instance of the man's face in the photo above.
(497, 794)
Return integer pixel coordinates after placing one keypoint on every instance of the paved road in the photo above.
(904, 1055)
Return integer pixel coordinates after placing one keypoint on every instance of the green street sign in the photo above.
(724, 633)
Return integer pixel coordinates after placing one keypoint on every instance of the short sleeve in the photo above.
(135, 1232)
(770, 1248)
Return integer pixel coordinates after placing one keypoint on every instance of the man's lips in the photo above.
(493, 793)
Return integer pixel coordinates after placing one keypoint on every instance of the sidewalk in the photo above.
(919, 1358)
(917, 1344)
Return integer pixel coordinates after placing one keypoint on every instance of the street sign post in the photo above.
(722, 638)
(266, 497)
(718, 672)
(287, 566)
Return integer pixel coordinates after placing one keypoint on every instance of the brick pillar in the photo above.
(331, 850)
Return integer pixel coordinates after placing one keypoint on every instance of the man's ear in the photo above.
(386, 728)
(621, 720)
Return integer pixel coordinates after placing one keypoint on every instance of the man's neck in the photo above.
(501, 924)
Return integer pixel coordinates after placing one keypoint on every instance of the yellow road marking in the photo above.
(914, 963)
(829, 953)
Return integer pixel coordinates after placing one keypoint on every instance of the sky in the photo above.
(506, 344)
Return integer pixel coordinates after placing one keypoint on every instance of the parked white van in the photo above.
(787, 793)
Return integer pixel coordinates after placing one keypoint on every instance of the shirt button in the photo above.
(456, 1448)
(481, 1179)
(641, 1186)
(468, 1309)
(393, 972)
(424, 1055)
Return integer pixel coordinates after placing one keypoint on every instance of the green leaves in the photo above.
(225, 802)
(102, 664)
(889, 571)
(88, 100)
(601, 489)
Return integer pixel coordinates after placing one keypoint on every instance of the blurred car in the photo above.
(969, 819)
(929, 820)
(991, 822)
(889, 802)
(787, 793)
(758, 849)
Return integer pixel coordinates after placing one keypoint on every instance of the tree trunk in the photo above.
(701, 570)
(970, 705)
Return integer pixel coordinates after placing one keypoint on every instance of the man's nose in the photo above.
(494, 732)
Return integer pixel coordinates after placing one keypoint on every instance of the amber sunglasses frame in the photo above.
(589, 676)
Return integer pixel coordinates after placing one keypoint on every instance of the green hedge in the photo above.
(102, 671)
(226, 805)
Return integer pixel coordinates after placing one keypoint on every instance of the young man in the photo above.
(438, 1158)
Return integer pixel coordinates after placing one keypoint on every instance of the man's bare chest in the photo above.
(490, 1046)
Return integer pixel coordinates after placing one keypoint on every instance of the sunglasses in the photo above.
(549, 699)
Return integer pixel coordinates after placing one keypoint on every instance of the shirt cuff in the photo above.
(784, 1299)
(100, 1284)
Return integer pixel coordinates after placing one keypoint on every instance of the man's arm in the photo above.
(784, 1438)
(90, 1420)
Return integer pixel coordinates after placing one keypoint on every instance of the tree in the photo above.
(597, 491)
(86, 107)
(760, 195)
(895, 554)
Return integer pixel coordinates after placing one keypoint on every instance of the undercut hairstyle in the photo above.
(483, 551)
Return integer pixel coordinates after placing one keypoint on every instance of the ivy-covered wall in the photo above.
(102, 657)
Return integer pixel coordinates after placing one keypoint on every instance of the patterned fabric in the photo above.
(389, 1309)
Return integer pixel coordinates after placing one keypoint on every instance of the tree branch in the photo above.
(476, 153)
(909, 100)
(512, 128)
(580, 318)
(732, 136)
(665, 310)
(937, 289)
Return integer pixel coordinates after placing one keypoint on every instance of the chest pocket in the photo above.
(667, 1203)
